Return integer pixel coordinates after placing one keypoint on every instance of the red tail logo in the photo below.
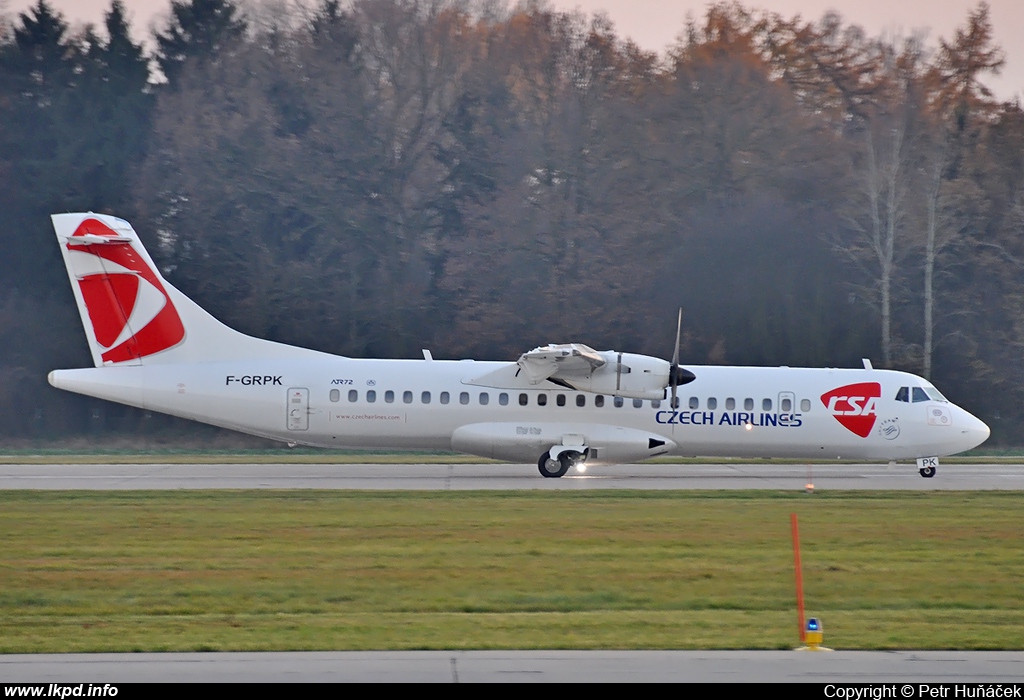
(131, 314)
(854, 406)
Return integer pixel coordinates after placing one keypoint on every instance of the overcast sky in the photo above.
(654, 24)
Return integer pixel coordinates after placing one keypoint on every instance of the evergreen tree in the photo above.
(112, 110)
(198, 30)
(126, 66)
(37, 70)
(40, 60)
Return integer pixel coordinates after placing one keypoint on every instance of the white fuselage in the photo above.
(329, 401)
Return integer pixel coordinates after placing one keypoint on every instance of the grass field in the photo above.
(220, 570)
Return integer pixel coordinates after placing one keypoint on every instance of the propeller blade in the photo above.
(673, 373)
(679, 331)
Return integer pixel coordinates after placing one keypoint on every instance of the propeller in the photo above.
(676, 374)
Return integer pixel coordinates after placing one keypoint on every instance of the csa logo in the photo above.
(131, 314)
(854, 406)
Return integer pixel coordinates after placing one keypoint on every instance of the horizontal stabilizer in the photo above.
(93, 239)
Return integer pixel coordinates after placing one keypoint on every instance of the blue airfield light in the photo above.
(814, 635)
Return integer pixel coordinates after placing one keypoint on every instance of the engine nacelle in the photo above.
(579, 367)
(624, 374)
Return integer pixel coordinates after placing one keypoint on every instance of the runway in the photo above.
(908, 669)
(440, 477)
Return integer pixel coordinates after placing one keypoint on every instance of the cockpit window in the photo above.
(919, 395)
(935, 395)
(903, 394)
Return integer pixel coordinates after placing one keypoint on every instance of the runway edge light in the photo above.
(814, 634)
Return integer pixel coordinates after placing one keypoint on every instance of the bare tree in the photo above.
(959, 105)
(879, 218)
(950, 206)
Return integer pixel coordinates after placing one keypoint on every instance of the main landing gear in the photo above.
(554, 468)
(927, 472)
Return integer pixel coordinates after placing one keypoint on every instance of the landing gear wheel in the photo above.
(553, 468)
(927, 472)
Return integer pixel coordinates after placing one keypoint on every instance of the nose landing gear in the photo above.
(927, 466)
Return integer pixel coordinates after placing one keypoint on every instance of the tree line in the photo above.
(374, 177)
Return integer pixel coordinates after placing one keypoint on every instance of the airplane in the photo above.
(564, 405)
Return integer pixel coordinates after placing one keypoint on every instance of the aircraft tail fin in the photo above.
(131, 314)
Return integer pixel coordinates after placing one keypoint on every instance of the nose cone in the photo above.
(973, 431)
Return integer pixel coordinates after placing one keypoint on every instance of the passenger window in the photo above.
(542, 399)
(371, 396)
(694, 402)
(425, 397)
(523, 399)
(503, 399)
(786, 405)
(560, 399)
(389, 396)
(618, 402)
(407, 396)
(353, 395)
(712, 403)
(730, 404)
(805, 405)
(335, 395)
(656, 404)
(919, 395)
(444, 397)
(748, 404)
(766, 404)
(464, 398)
(581, 400)
(599, 401)
(638, 403)
(674, 403)
(484, 398)
(903, 394)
